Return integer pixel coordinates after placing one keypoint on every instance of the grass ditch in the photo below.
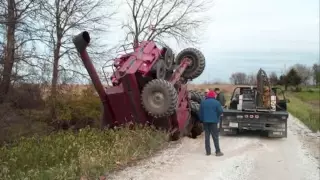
(88, 153)
(301, 106)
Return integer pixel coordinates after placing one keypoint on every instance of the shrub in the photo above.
(26, 96)
(310, 90)
(78, 110)
(67, 155)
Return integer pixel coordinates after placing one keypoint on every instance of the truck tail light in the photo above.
(256, 116)
(251, 116)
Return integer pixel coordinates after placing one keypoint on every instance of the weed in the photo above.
(308, 114)
(68, 155)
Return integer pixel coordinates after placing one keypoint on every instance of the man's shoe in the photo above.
(219, 154)
(208, 154)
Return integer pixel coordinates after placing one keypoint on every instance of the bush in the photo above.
(67, 155)
(78, 110)
(26, 96)
(310, 90)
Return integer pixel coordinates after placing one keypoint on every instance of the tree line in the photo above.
(298, 74)
(36, 36)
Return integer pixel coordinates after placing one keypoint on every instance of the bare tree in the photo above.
(178, 19)
(61, 19)
(251, 79)
(304, 72)
(17, 18)
(238, 78)
(273, 78)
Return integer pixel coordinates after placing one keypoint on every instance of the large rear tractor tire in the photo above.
(197, 65)
(196, 96)
(159, 98)
(197, 128)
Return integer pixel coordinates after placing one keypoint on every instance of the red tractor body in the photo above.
(147, 87)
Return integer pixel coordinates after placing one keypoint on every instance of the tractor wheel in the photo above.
(196, 96)
(159, 98)
(174, 136)
(194, 106)
(161, 69)
(197, 65)
(197, 128)
(168, 58)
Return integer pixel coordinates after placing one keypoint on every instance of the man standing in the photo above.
(209, 114)
(220, 97)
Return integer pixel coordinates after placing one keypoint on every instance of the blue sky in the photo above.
(244, 35)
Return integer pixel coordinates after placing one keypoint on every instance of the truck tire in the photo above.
(197, 65)
(196, 96)
(159, 98)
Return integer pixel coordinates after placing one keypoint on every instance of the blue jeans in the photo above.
(211, 129)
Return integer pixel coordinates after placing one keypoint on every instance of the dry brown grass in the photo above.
(226, 88)
(78, 88)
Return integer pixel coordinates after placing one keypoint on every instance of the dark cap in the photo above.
(216, 89)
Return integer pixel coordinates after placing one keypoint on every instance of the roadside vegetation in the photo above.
(88, 153)
(71, 147)
(305, 105)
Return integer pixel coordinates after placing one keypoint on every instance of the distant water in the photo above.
(219, 66)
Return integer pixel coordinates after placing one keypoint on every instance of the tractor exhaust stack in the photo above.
(81, 41)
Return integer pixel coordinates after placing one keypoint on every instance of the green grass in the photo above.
(308, 95)
(68, 155)
(301, 107)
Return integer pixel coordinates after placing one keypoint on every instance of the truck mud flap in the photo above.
(226, 131)
(279, 134)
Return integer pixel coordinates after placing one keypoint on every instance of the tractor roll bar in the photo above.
(81, 41)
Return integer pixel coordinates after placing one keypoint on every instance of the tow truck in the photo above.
(260, 107)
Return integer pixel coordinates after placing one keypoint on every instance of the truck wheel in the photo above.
(196, 96)
(159, 98)
(197, 65)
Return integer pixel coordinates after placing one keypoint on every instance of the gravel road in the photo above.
(247, 157)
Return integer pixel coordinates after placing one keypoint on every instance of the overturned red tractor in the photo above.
(149, 86)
